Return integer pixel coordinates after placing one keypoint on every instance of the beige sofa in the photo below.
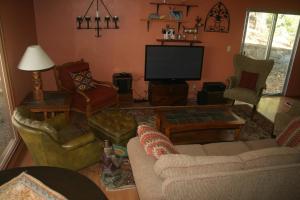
(229, 170)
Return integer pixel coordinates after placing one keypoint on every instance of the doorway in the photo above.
(8, 137)
(269, 35)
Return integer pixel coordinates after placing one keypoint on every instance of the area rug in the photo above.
(259, 127)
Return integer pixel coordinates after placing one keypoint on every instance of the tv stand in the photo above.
(168, 93)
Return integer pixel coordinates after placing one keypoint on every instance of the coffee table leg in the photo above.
(237, 134)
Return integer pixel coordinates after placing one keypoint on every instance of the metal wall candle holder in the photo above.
(86, 22)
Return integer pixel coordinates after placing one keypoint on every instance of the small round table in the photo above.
(71, 184)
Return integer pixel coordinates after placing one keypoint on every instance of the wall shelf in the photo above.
(188, 6)
(191, 42)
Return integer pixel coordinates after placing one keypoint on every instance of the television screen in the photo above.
(173, 62)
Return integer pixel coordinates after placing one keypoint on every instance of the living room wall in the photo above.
(123, 50)
(18, 26)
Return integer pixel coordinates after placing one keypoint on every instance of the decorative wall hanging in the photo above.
(218, 19)
(88, 20)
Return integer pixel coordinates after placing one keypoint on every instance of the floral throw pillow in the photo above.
(155, 143)
(82, 80)
(290, 136)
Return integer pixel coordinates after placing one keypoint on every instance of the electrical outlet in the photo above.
(228, 48)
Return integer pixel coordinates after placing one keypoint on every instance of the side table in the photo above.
(54, 101)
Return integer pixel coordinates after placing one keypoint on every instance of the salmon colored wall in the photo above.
(123, 50)
(18, 24)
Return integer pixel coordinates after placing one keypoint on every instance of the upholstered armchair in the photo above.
(87, 95)
(249, 80)
(57, 143)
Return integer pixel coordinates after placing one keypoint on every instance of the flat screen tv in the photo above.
(171, 63)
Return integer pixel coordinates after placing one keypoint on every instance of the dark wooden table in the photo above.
(70, 184)
(181, 120)
(54, 101)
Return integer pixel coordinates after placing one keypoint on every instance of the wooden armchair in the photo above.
(89, 101)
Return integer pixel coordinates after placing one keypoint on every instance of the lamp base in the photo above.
(38, 94)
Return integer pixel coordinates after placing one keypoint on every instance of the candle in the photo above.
(97, 13)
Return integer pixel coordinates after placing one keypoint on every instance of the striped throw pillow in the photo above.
(141, 129)
(290, 136)
(156, 144)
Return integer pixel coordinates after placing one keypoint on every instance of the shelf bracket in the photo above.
(157, 9)
(178, 26)
(187, 10)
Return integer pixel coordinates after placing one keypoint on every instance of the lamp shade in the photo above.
(35, 59)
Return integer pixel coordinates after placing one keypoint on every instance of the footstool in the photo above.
(114, 125)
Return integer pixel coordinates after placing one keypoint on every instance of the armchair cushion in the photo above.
(101, 95)
(242, 94)
(82, 80)
(79, 141)
(248, 80)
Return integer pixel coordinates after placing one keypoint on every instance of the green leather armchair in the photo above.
(57, 143)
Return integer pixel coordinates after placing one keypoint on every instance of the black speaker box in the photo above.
(212, 93)
(123, 81)
(213, 86)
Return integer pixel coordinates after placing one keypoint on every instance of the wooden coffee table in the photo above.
(197, 119)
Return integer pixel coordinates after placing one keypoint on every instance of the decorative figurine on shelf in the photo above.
(169, 33)
(194, 30)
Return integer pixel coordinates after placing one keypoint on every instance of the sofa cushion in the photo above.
(156, 144)
(175, 165)
(270, 157)
(290, 136)
(191, 149)
(225, 148)
(261, 144)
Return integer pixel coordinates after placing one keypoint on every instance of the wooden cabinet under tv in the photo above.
(168, 93)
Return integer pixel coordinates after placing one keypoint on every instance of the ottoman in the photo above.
(114, 125)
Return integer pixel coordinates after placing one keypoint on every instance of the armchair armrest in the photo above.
(65, 89)
(105, 83)
(79, 141)
(87, 99)
(261, 89)
(231, 82)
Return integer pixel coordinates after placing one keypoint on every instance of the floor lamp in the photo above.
(35, 59)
